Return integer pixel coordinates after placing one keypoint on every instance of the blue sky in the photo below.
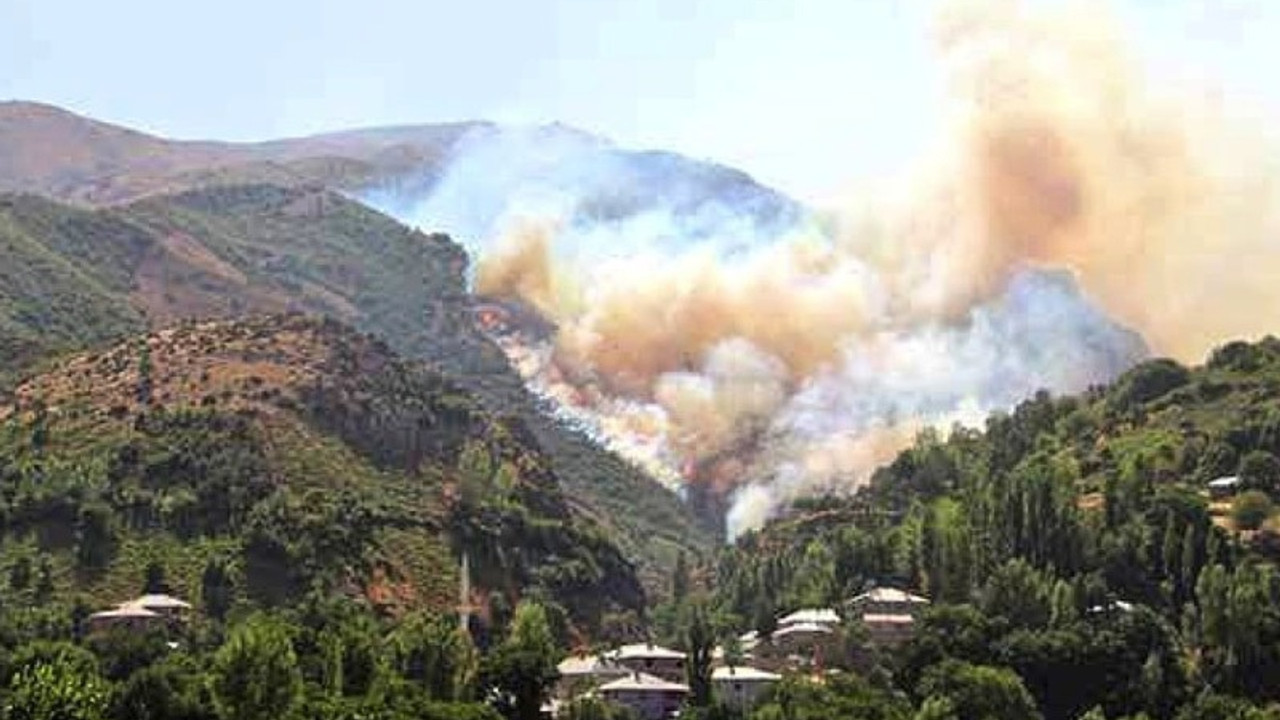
(803, 93)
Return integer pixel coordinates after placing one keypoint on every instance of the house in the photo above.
(887, 601)
(1223, 487)
(125, 617)
(582, 673)
(741, 687)
(166, 605)
(889, 630)
(800, 639)
(142, 613)
(648, 696)
(652, 660)
(888, 614)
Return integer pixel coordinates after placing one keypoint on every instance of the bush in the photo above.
(1259, 470)
(1251, 509)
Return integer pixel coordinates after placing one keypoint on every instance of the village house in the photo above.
(888, 614)
(648, 696)
(125, 617)
(800, 640)
(1223, 487)
(811, 616)
(887, 601)
(143, 613)
(651, 659)
(741, 687)
(582, 673)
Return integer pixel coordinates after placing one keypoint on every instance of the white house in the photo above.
(648, 696)
(1223, 487)
(583, 672)
(147, 611)
(811, 616)
(741, 687)
(651, 659)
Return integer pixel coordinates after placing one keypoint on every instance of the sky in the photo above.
(805, 94)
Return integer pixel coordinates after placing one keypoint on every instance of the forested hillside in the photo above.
(76, 278)
(297, 456)
(1071, 541)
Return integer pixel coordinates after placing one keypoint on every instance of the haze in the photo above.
(807, 96)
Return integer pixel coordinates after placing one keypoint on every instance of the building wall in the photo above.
(672, 670)
(649, 704)
(740, 694)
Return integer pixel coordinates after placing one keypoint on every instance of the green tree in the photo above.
(1250, 509)
(522, 668)
(155, 578)
(55, 691)
(1018, 592)
(432, 652)
(698, 639)
(216, 589)
(255, 673)
(978, 691)
(168, 690)
(839, 696)
(680, 578)
(95, 536)
(1260, 470)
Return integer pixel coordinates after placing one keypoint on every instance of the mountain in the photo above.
(107, 231)
(294, 451)
(78, 277)
(50, 151)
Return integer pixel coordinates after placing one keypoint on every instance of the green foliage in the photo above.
(1260, 470)
(845, 696)
(170, 690)
(434, 653)
(55, 691)
(522, 668)
(976, 691)
(698, 641)
(1250, 509)
(255, 675)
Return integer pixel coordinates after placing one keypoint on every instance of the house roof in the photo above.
(124, 611)
(1120, 605)
(889, 595)
(589, 665)
(154, 601)
(744, 673)
(646, 651)
(642, 682)
(1225, 482)
(820, 616)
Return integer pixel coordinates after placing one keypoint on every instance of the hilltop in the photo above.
(297, 453)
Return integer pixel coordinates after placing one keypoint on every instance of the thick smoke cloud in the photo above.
(718, 334)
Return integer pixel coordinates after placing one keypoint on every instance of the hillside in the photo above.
(296, 452)
(80, 277)
(1072, 541)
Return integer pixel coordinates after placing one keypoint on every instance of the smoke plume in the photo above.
(718, 334)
